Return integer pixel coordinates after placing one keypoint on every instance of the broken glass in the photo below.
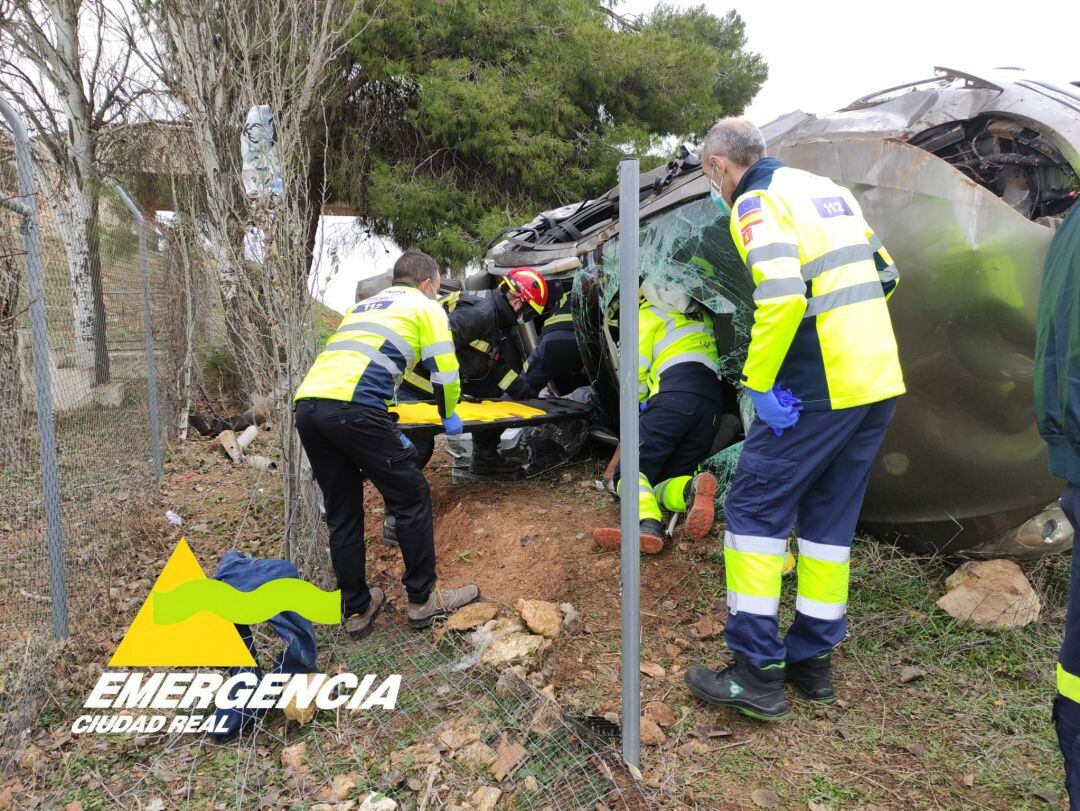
(688, 249)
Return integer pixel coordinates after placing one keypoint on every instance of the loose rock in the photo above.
(571, 619)
(652, 669)
(911, 673)
(991, 594)
(477, 756)
(297, 714)
(485, 798)
(542, 617)
(378, 802)
(512, 648)
(459, 732)
(340, 788)
(509, 643)
(415, 756)
(707, 627)
(651, 734)
(471, 616)
(660, 713)
(764, 798)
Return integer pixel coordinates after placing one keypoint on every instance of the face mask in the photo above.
(718, 197)
(721, 203)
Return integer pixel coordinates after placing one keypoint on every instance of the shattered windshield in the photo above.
(686, 249)
(689, 249)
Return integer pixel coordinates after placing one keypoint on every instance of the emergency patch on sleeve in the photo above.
(749, 213)
(832, 206)
(746, 228)
(751, 205)
(367, 306)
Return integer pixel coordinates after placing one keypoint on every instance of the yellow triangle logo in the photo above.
(202, 640)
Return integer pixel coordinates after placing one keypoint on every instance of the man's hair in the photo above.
(735, 139)
(413, 268)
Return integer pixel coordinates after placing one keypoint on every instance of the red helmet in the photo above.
(528, 285)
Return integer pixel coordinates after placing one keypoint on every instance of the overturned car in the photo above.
(964, 178)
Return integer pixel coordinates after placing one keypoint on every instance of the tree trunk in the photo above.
(81, 193)
(78, 229)
(12, 390)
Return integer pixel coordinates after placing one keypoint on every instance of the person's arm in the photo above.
(438, 357)
(648, 323)
(533, 374)
(769, 245)
(887, 273)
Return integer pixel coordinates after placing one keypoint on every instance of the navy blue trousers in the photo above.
(1066, 709)
(811, 478)
(676, 433)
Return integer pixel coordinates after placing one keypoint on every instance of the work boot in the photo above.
(359, 625)
(811, 678)
(700, 505)
(652, 537)
(754, 691)
(440, 603)
(389, 531)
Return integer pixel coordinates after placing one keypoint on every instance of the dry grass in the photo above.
(973, 732)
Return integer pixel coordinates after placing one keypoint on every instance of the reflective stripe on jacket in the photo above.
(667, 340)
(562, 316)
(821, 323)
(378, 340)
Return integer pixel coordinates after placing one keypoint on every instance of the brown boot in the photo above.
(440, 603)
(701, 506)
(359, 625)
(651, 533)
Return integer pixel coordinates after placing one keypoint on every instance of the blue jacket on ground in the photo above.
(246, 573)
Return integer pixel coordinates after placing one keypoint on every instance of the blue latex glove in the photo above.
(452, 425)
(778, 408)
(641, 406)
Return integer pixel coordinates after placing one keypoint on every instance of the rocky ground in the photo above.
(933, 712)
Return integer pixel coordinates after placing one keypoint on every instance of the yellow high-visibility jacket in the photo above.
(378, 340)
(821, 322)
(676, 352)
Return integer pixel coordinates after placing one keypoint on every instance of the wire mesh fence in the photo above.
(435, 750)
(113, 330)
(82, 304)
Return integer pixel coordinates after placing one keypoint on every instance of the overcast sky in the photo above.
(822, 56)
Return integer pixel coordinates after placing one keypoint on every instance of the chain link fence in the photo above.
(83, 413)
(111, 342)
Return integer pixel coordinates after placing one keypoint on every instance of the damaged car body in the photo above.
(964, 178)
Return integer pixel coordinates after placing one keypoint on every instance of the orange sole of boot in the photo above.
(610, 538)
(699, 520)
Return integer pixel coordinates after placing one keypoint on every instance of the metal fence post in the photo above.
(43, 392)
(628, 475)
(157, 449)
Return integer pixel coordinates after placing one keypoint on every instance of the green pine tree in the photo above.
(462, 117)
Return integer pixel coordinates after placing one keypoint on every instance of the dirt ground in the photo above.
(971, 730)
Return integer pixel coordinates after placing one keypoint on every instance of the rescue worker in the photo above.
(349, 435)
(681, 404)
(481, 326)
(823, 373)
(1057, 392)
(557, 358)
